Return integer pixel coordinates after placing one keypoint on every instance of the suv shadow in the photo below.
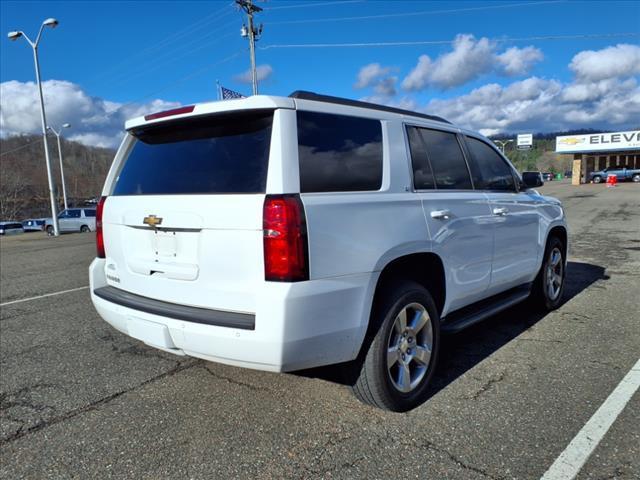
(462, 351)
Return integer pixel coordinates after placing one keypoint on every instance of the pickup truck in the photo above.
(623, 173)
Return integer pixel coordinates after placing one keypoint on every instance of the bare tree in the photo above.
(12, 194)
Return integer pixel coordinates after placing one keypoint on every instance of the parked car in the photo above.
(622, 173)
(547, 176)
(287, 233)
(34, 224)
(74, 220)
(10, 228)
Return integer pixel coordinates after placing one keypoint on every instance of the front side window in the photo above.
(489, 170)
(446, 160)
(74, 213)
(226, 153)
(338, 153)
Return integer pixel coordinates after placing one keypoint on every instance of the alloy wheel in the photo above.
(409, 347)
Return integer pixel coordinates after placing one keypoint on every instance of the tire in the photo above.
(636, 178)
(597, 179)
(84, 229)
(386, 386)
(544, 296)
(50, 231)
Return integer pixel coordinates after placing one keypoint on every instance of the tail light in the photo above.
(285, 239)
(99, 236)
(169, 113)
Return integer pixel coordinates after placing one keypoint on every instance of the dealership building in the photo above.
(597, 151)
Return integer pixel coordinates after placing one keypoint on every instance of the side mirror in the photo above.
(532, 179)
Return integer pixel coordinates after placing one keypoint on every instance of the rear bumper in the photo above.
(296, 325)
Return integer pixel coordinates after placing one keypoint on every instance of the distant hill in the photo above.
(24, 190)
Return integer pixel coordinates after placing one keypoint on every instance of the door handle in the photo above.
(500, 211)
(440, 214)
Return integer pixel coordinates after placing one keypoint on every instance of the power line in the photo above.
(306, 5)
(188, 30)
(177, 82)
(162, 60)
(19, 148)
(447, 42)
(139, 99)
(412, 14)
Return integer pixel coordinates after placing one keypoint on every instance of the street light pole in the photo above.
(503, 144)
(50, 22)
(64, 188)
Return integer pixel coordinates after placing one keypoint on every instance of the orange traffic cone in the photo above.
(612, 180)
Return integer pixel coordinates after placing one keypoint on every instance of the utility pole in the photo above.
(253, 34)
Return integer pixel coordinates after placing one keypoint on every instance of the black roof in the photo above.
(304, 95)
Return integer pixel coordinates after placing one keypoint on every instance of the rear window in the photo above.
(217, 154)
(339, 153)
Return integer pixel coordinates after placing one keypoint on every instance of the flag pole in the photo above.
(218, 89)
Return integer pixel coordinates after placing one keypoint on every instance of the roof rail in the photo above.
(304, 95)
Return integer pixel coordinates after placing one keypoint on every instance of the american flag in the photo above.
(229, 94)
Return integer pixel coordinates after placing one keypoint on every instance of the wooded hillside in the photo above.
(23, 175)
(24, 189)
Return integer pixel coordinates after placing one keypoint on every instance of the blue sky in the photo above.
(136, 52)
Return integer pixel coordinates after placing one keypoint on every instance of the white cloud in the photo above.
(622, 60)
(262, 71)
(419, 77)
(377, 77)
(386, 86)
(370, 74)
(543, 105)
(604, 94)
(469, 59)
(94, 121)
(406, 102)
(519, 61)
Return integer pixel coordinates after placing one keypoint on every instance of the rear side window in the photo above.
(217, 154)
(89, 213)
(338, 153)
(489, 170)
(422, 173)
(450, 171)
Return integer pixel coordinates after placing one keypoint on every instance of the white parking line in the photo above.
(43, 296)
(569, 463)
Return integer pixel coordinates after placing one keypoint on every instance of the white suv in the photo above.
(287, 233)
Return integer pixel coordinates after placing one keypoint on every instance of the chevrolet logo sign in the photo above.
(572, 141)
(152, 221)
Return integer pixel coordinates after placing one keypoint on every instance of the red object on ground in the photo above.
(612, 180)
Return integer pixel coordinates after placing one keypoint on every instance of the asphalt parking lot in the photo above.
(80, 400)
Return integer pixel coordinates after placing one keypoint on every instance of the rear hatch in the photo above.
(183, 221)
